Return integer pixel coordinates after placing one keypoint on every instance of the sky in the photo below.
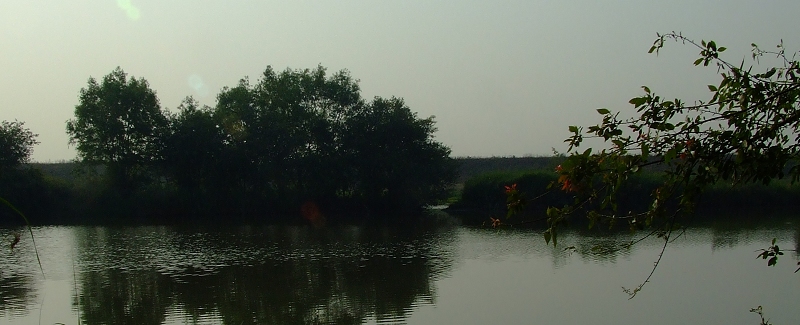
(502, 78)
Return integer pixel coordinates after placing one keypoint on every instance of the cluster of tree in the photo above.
(293, 137)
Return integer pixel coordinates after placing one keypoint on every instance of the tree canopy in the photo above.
(290, 138)
(16, 144)
(118, 123)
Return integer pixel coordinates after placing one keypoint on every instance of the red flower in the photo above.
(511, 188)
(495, 222)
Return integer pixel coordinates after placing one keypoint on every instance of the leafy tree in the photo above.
(396, 161)
(16, 144)
(118, 123)
(283, 131)
(301, 135)
(194, 145)
(746, 132)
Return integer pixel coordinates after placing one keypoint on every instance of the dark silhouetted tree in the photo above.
(118, 123)
(396, 161)
(16, 144)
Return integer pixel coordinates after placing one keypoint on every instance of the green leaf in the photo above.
(712, 88)
(671, 153)
(547, 237)
(698, 61)
(638, 101)
(722, 49)
(573, 129)
(603, 111)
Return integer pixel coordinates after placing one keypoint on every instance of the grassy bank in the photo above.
(483, 196)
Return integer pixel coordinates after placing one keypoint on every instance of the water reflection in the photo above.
(352, 275)
(16, 277)
(278, 275)
(15, 294)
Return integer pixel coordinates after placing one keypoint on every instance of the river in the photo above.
(367, 275)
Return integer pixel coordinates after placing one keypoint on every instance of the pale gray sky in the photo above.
(501, 77)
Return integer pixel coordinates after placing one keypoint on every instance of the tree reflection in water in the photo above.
(280, 275)
(16, 276)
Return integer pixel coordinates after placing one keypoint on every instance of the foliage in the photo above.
(747, 132)
(16, 144)
(488, 191)
(470, 167)
(393, 156)
(772, 253)
(279, 131)
(294, 138)
(193, 145)
(118, 123)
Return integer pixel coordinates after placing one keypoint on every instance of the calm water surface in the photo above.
(355, 275)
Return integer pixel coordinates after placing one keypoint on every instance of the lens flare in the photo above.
(197, 84)
(132, 12)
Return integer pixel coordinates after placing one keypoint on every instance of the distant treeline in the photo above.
(470, 167)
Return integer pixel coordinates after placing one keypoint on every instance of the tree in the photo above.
(748, 131)
(396, 161)
(118, 123)
(302, 135)
(16, 144)
(282, 132)
(194, 146)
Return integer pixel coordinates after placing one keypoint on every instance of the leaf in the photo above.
(712, 88)
(638, 101)
(603, 111)
(671, 153)
(547, 237)
(573, 129)
(697, 62)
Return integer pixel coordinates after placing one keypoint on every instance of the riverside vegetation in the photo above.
(297, 142)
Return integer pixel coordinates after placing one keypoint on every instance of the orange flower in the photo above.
(559, 169)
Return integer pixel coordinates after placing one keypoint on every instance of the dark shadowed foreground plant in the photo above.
(747, 132)
(28, 225)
